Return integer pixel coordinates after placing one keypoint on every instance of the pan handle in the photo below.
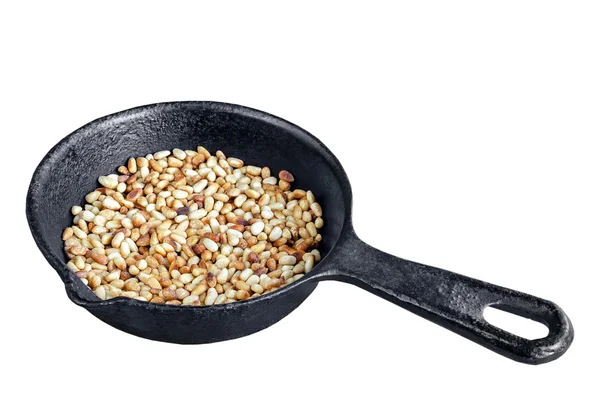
(451, 300)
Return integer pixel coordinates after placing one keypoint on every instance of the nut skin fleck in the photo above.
(211, 280)
(183, 210)
(253, 257)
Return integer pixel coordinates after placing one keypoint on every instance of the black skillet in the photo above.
(451, 300)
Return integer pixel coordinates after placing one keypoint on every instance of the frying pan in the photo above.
(451, 300)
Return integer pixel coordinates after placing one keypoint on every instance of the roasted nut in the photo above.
(187, 227)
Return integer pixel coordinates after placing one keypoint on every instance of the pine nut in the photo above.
(187, 227)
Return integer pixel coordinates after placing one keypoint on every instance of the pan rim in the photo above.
(66, 275)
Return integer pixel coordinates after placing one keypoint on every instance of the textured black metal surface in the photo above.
(70, 170)
(451, 300)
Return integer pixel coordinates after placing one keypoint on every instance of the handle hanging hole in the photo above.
(515, 324)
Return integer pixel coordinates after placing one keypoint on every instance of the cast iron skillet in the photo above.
(451, 300)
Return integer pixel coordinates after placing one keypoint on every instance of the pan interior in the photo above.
(71, 169)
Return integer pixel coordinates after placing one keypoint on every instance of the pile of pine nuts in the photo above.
(191, 228)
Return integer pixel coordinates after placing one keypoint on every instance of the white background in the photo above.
(469, 131)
